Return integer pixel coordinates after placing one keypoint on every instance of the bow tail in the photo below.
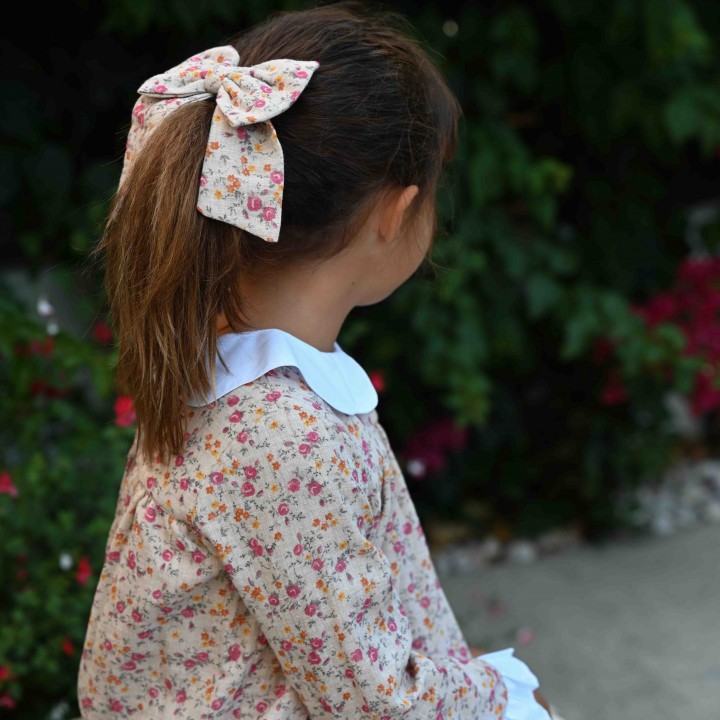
(242, 177)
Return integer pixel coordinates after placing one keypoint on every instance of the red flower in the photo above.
(7, 486)
(378, 380)
(4, 672)
(6, 701)
(67, 646)
(614, 392)
(84, 571)
(102, 332)
(124, 411)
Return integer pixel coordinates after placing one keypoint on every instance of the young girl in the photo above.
(266, 559)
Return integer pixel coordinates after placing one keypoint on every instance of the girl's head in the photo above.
(364, 148)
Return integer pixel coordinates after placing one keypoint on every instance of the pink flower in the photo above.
(6, 700)
(203, 181)
(102, 332)
(277, 177)
(254, 203)
(234, 653)
(297, 550)
(184, 483)
(150, 514)
(216, 478)
(293, 485)
(392, 625)
(314, 487)
(124, 411)
(310, 609)
(159, 89)
(378, 380)
(197, 556)
(304, 448)
(181, 697)
(373, 654)
(261, 706)
(7, 486)
(268, 213)
(314, 658)
(259, 102)
(293, 591)
(248, 489)
(83, 573)
(300, 74)
(274, 600)
(242, 133)
(250, 472)
(217, 703)
(317, 564)
(316, 643)
(283, 508)
(340, 566)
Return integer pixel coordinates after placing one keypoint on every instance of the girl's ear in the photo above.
(392, 215)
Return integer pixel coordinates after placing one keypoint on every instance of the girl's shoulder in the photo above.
(258, 411)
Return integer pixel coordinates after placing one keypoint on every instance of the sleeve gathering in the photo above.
(294, 529)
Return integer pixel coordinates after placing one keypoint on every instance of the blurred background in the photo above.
(561, 366)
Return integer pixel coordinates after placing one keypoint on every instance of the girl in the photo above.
(265, 559)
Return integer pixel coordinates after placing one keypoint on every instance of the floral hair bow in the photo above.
(243, 172)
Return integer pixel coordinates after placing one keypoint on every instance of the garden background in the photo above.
(577, 292)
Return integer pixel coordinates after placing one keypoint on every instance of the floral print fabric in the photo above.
(276, 569)
(243, 174)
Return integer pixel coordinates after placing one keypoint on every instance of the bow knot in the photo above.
(243, 171)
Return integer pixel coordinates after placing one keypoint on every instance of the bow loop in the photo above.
(243, 172)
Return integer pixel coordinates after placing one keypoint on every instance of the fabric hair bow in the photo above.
(243, 171)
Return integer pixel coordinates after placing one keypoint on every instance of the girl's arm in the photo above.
(294, 540)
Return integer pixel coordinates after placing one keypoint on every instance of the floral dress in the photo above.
(277, 567)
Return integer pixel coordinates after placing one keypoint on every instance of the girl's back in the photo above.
(266, 559)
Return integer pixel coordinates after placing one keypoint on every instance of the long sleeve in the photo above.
(294, 525)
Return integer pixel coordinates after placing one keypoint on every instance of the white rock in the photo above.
(711, 512)
(490, 548)
(522, 551)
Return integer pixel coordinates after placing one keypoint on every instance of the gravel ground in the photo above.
(626, 631)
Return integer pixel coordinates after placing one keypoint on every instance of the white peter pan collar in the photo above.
(336, 376)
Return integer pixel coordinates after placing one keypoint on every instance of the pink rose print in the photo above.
(243, 436)
(254, 203)
(167, 555)
(203, 181)
(314, 658)
(242, 133)
(274, 600)
(160, 89)
(316, 643)
(310, 609)
(216, 478)
(340, 565)
(237, 416)
(234, 653)
(268, 213)
(233, 400)
(304, 449)
(150, 514)
(283, 508)
(261, 706)
(314, 487)
(293, 591)
(259, 103)
(373, 654)
(197, 556)
(217, 703)
(298, 549)
(184, 483)
(250, 472)
(317, 564)
(277, 177)
(300, 74)
(181, 697)
(248, 489)
(293, 485)
(266, 88)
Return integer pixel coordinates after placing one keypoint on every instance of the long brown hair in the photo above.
(376, 115)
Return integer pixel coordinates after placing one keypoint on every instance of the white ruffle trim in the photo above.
(520, 682)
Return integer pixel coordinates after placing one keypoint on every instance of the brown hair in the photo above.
(376, 115)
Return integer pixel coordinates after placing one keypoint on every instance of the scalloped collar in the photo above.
(336, 376)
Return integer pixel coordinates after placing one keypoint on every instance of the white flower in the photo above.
(66, 561)
(44, 308)
(416, 467)
(52, 328)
